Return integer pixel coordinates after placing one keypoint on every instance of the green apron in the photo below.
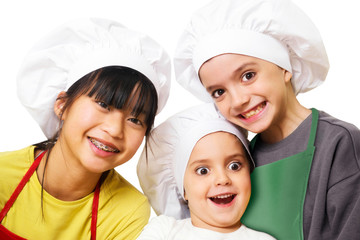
(278, 192)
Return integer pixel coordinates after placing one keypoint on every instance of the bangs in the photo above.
(122, 88)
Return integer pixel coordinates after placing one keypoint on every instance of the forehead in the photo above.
(227, 64)
(231, 60)
(217, 144)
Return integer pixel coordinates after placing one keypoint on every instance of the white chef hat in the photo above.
(78, 48)
(274, 30)
(162, 164)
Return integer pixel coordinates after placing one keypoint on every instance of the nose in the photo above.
(222, 178)
(239, 97)
(115, 124)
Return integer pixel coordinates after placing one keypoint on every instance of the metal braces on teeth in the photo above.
(103, 146)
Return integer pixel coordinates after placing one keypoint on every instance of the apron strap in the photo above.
(26, 178)
(94, 213)
(314, 124)
(311, 141)
(21, 185)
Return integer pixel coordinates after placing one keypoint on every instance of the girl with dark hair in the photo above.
(94, 87)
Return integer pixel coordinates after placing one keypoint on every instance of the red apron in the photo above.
(5, 234)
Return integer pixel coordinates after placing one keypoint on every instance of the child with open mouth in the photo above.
(196, 174)
(252, 58)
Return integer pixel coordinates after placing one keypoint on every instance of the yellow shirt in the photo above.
(123, 210)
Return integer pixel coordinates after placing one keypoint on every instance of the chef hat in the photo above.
(162, 164)
(78, 48)
(273, 30)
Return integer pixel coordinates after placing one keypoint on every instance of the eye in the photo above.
(202, 171)
(248, 76)
(217, 93)
(103, 105)
(234, 166)
(136, 121)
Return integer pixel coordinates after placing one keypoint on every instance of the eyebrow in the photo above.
(239, 69)
(205, 160)
(198, 161)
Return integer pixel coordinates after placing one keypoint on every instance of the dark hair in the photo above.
(117, 86)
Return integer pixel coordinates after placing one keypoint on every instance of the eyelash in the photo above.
(132, 120)
(217, 92)
(245, 78)
(136, 121)
(103, 105)
(246, 75)
(237, 163)
(201, 168)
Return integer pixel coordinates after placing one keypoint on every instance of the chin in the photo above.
(228, 226)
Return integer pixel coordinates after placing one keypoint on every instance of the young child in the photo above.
(196, 174)
(94, 87)
(252, 57)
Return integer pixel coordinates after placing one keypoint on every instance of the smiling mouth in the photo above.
(223, 199)
(256, 110)
(102, 146)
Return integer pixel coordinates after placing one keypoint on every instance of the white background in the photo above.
(24, 22)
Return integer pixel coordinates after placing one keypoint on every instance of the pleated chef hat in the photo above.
(273, 30)
(162, 165)
(78, 48)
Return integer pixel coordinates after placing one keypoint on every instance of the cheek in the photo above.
(245, 185)
(193, 189)
(224, 108)
(135, 139)
(187, 189)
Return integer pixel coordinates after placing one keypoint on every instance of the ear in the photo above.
(185, 195)
(60, 103)
(287, 76)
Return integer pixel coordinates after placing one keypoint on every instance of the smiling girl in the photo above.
(94, 87)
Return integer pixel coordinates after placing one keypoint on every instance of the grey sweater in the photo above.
(332, 202)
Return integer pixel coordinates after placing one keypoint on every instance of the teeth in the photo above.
(102, 146)
(223, 196)
(254, 111)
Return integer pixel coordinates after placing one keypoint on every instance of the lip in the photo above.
(256, 113)
(224, 200)
(102, 152)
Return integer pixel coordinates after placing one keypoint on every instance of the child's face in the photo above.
(217, 182)
(248, 91)
(97, 137)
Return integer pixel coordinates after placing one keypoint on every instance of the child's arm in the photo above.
(343, 196)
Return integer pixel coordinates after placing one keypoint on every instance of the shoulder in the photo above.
(336, 130)
(123, 210)
(163, 221)
(253, 234)
(168, 221)
(119, 190)
(159, 227)
(336, 127)
(337, 148)
(14, 165)
(16, 162)
(165, 227)
(24, 153)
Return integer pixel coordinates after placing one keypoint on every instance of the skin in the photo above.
(218, 166)
(240, 84)
(76, 163)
